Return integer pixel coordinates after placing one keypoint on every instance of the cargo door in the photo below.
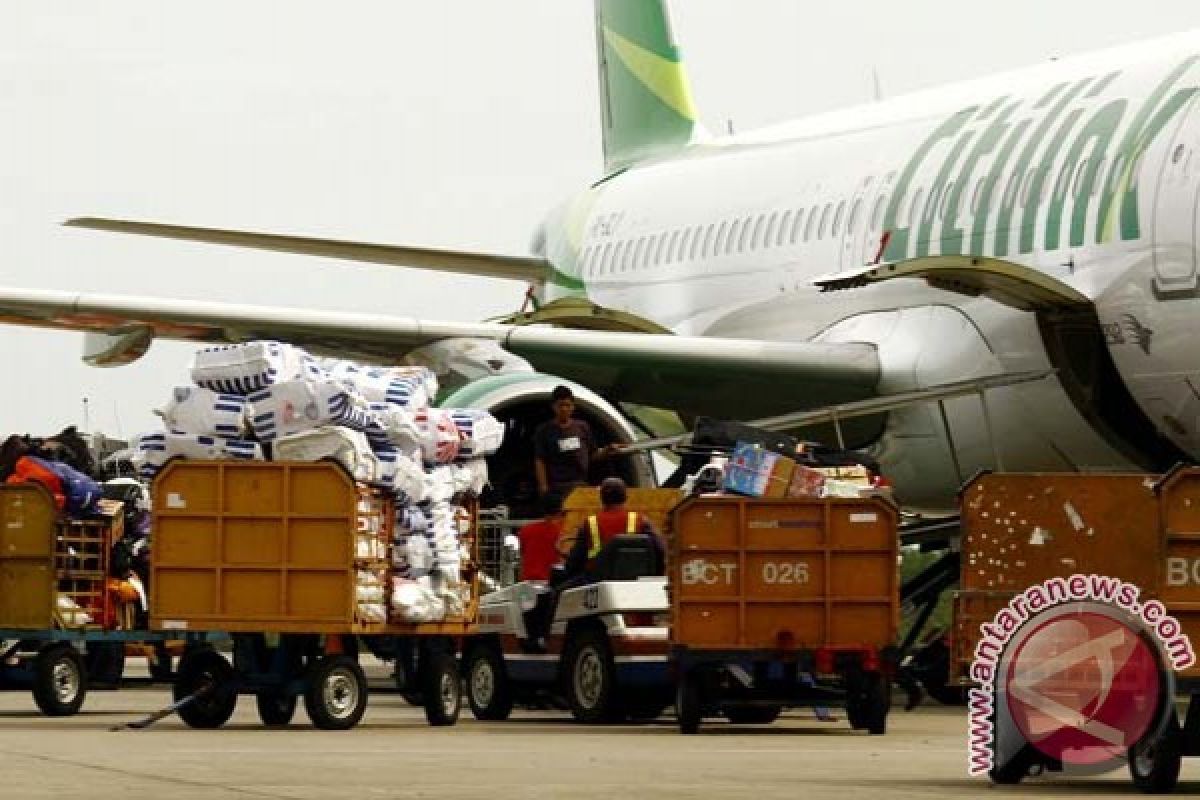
(27, 526)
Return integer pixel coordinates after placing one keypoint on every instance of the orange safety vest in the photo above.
(597, 543)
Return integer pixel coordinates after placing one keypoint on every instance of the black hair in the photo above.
(561, 393)
(552, 503)
(612, 492)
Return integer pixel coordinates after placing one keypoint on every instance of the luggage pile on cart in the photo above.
(266, 400)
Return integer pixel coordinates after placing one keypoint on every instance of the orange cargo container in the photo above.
(1019, 530)
(809, 584)
(271, 552)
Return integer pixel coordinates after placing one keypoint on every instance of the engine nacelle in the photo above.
(522, 402)
(117, 349)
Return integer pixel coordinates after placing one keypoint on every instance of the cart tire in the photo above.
(197, 669)
(868, 701)
(590, 677)
(1154, 764)
(275, 709)
(753, 715)
(60, 680)
(441, 687)
(687, 704)
(1015, 769)
(488, 690)
(105, 663)
(336, 695)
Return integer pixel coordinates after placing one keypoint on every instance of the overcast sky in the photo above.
(452, 124)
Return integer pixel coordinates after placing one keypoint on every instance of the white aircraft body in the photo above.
(1043, 219)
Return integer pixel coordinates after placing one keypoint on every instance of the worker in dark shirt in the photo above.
(599, 529)
(563, 447)
(539, 540)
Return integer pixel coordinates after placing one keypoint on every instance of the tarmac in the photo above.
(536, 754)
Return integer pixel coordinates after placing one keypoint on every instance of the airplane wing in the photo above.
(692, 374)
(518, 268)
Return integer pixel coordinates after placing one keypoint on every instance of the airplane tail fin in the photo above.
(646, 98)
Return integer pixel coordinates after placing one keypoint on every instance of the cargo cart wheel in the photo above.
(336, 697)
(687, 703)
(276, 708)
(753, 715)
(590, 677)
(1154, 764)
(868, 701)
(488, 691)
(105, 662)
(60, 680)
(199, 669)
(1016, 768)
(441, 687)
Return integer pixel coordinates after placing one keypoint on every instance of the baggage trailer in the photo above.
(782, 602)
(1019, 530)
(270, 552)
(61, 628)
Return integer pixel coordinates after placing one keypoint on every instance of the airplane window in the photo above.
(1080, 172)
(837, 219)
(757, 241)
(697, 239)
(734, 230)
(1177, 154)
(812, 218)
(604, 258)
(618, 250)
(744, 239)
(769, 236)
(627, 256)
(673, 248)
(706, 248)
(824, 220)
(797, 221)
(720, 244)
(784, 224)
(685, 243)
(636, 260)
(852, 222)
(877, 212)
(1098, 178)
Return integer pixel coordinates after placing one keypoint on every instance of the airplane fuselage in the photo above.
(1085, 170)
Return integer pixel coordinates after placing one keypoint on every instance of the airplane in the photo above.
(1045, 219)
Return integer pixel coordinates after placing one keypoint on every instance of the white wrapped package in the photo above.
(294, 406)
(73, 616)
(416, 603)
(439, 485)
(482, 434)
(410, 519)
(418, 555)
(196, 410)
(372, 612)
(348, 447)
(397, 425)
(403, 475)
(440, 438)
(251, 366)
(409, 387)
(471, 476)
(152, 450)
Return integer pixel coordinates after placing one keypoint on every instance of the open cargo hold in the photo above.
(64, 625)
(790, 588)
(273, 553)
(1019, 530)
(654, 504)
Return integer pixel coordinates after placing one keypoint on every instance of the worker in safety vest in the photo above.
(599, 529)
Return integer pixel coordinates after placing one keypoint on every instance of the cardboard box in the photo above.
(756, 472)
(807, 483)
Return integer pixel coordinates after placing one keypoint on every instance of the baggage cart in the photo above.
(783, 602)
(272, 553)
(62, 629)
(1020, 529)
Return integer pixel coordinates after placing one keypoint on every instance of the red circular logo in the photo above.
(1083, 687)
